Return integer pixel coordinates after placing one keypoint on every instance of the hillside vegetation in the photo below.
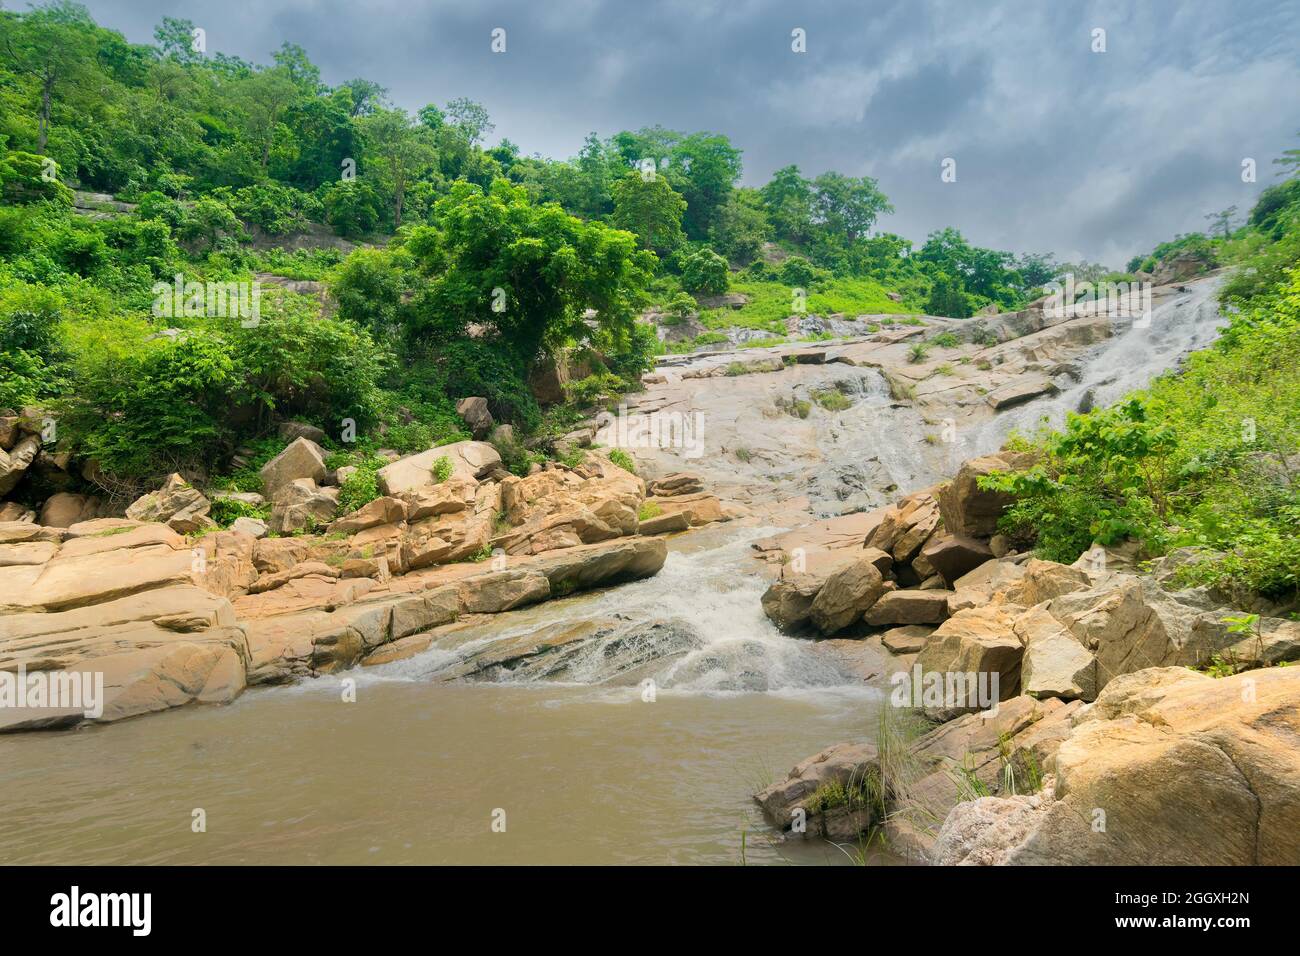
(1208, 456)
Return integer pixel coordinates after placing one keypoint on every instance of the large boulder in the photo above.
(1168, 768)
(65, 509)
(970, 510)
(370, 515)
(474, 412)
(929, 606)
(468, 460)
(956, 555)
(14, 463)
(499, 591)
(980, 642)
(828, 792)
(301, 458)
(847, 593)
(1055, 664)
(178, 504)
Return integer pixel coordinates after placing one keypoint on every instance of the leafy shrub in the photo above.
(946, 340)
(362, 486)
(224, 511)
(797, 272)
(704, 272)
(441, 469)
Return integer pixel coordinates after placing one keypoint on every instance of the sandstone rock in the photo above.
(254, 527)
(678, 483)
(469, 460)
(1041, 581)
(665, 523)
(1157, 748)
(788, 600)
(956, 555)
(907, 640)
(845, 766)
(978, 641)
(8, 432)
(65, 509)
(301, 505)
(268, 582)
(599, 565)
(910, 607)
(250, 498)
(474, 412)
(446, 497)
(13, 511)
(1021, 390)
(373, 513)
(979, 586)
(448, 537)
(14, 463)
(848, 592)
(499, 591)
(1128, 623)
(177, 504)
(302, 458)
(966, 508)
(1055, 664)
(699, 508)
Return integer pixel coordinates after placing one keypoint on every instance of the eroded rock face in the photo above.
(928, 606)
(300, 504)
(64, 509)
(15, 462)
(1157, 749)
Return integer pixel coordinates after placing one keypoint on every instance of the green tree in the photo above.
(54, 45)
(403, 150)
(741, 227)
(648, 206)
(845, 207)
(522, 274)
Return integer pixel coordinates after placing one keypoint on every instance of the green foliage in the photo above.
(1198, 459)
(224, 511)
(704, 272)
(441, 469)
(622, 459)
(797, 272)
(918, 352)
(648, 207)
(361, 486)
(946, 340)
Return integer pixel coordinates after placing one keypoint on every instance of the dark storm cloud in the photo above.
(1096, 155)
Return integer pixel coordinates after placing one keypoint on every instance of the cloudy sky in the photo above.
(1058, 148)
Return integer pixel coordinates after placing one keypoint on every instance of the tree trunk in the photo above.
(43, 127)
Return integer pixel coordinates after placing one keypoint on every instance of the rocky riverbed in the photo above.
(821, 532)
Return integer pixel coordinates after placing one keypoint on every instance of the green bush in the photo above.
(362, 486)
(704, 272)
(797, 272)
(621, 458)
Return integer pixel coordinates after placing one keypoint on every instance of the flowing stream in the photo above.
(642, 744)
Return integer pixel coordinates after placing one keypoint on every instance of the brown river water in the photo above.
(416, 770)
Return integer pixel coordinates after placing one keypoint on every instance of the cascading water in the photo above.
(1127, 361)
(698, 626)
